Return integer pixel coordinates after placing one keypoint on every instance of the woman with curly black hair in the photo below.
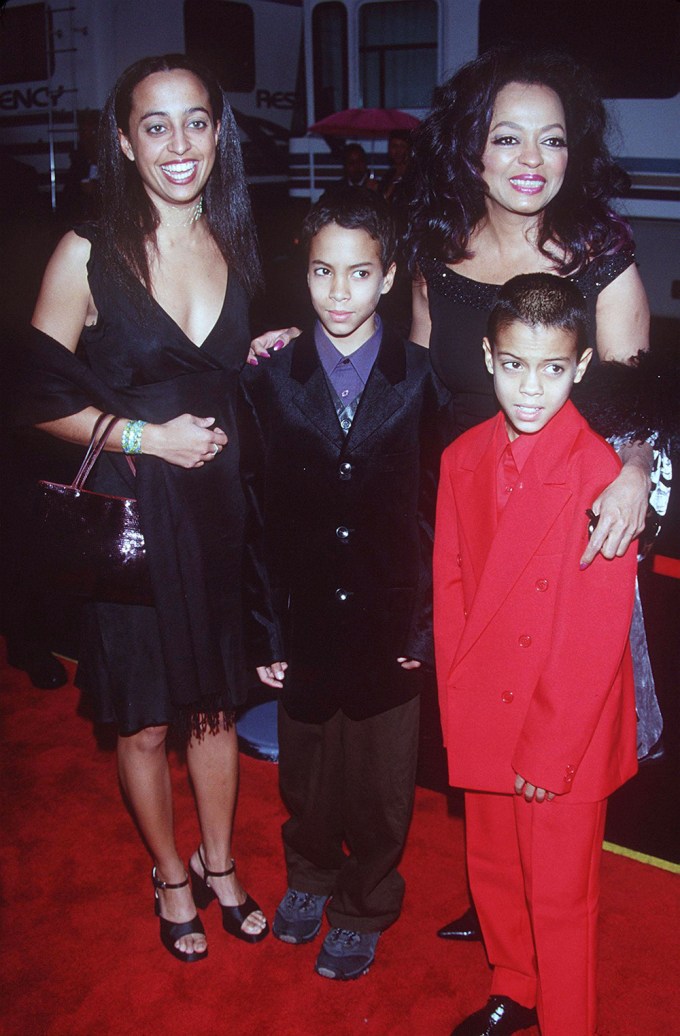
(511, 174)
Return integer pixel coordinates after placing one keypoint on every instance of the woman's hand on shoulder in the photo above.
(622, 506)
(65, 303)
(274, 340)
(187, 441)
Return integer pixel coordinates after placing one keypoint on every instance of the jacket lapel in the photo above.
(527, 518)
(384, 391)
(312, 395)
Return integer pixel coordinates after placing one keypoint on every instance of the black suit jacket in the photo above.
(343, 526)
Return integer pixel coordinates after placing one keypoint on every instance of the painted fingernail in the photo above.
(278, 344)
(582, 566)
(252, 361)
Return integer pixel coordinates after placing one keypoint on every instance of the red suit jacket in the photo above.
(533, 662)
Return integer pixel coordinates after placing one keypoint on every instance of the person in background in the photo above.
(399, 153)
(157, 295)
(355, 171)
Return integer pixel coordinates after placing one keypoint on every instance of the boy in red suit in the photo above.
(533, 664)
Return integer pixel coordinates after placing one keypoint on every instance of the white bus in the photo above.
(59, 59)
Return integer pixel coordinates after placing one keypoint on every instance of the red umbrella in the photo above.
(364, 122)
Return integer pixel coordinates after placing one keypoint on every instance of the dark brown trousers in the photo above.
(349, 787)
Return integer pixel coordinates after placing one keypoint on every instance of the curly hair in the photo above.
(128, 216)
(446, 186)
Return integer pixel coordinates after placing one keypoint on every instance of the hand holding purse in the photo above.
(91, 543)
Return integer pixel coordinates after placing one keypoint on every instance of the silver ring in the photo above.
(216, 449)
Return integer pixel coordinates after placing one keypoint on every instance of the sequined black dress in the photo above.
(460, 307)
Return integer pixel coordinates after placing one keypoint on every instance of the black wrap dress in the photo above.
(182, 659)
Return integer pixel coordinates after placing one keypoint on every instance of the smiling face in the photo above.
(525, 158)
(534, 368)
(346, 279)
(171, 137)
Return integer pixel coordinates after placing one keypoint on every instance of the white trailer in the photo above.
(59, 59)
(393, 53)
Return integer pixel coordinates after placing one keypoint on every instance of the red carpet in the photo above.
(81, 955)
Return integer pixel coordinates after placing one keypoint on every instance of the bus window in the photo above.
(632, 49)
(398, 54)
(221, 36)
(24, 57)
(329, 43)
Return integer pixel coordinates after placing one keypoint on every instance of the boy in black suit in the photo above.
(347, 418)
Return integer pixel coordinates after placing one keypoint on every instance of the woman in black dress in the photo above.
(157, 295)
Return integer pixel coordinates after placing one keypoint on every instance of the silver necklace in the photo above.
(193, 217)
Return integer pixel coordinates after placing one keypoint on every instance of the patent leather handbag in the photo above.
(91, 544)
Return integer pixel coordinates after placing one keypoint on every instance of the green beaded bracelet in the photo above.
(131, 439)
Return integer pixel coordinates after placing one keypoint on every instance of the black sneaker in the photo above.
(346, 954)
(298, 916)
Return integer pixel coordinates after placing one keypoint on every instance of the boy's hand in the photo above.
(409, 663)
(273, 340)
(530, 792)
(272, 675)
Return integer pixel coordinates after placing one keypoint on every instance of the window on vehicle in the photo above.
(633, 50)
(221, 36)
(26, 52)
(329, 47)
(398, 53)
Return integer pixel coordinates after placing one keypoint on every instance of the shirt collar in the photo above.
(362, 359)
(520, 447)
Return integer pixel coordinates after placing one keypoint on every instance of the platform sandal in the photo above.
(171, 931)
(232, 916)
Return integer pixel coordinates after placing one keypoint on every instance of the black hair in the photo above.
(446, 185)
(540, 300)
(350, 149)
(354, 208)
(128, 216)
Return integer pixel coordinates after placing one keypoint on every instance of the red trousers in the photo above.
(534, 872)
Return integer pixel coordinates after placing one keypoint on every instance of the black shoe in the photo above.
(465, 928)
(501, 1017)
(44, 670)
(171, 931)
(233, 917)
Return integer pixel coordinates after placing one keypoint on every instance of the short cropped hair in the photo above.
(354, 208)
(540, 300)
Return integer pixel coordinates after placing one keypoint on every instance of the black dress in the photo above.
(183, 658)
(459, 309)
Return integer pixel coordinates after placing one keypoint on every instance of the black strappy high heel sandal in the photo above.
(232, 916)
(171, 931)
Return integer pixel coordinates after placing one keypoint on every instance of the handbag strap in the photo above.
(98, 441)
